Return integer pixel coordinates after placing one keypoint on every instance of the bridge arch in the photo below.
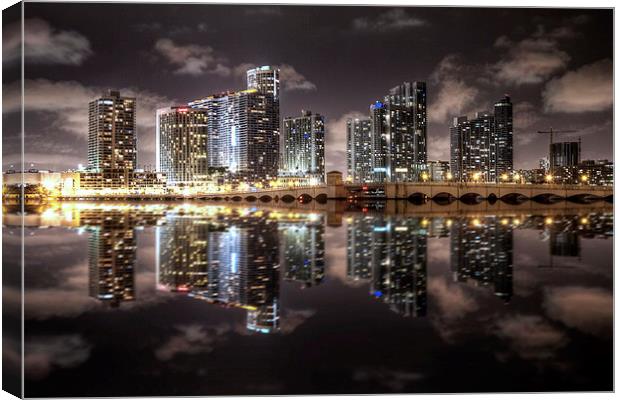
(304, 198)
(321, 198)
(265, 198)
(546, 198)
(287, 198)
(514, 198)
(471, 198)
(418, 198)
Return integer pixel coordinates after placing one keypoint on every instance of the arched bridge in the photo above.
(464, 191)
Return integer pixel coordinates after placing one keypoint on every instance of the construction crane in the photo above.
(551, 132)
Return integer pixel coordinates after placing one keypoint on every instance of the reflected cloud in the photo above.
(43, 354)
(589, 310)
(394, 380)
(530, 336)
(190, 339)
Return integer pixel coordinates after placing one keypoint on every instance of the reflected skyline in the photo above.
(238, 256)
(201, 284)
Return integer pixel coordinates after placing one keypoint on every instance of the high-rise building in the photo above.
(303, 146)
(565, 154)
(399, 133)
(473, 155)
(265, 79)
(243, 133)
(359, 150)
(182, 145)
(112, 134)
(503, 133)
(481, 149)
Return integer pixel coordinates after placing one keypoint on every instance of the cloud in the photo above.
(44, 44)
(588, 89)
(530, 336)
(190, 339)
(531, 60)
(42, 354)
(455, 96)
(525, 117)
(192, 59)
(174, 30)
(336, 146)
(71, 114)
(292, 80)
(589, 310)
(393, 20)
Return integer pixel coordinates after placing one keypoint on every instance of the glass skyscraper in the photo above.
(303, 146)
(399, 130)
(244, 127)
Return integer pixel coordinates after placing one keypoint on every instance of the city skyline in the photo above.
(540, 60)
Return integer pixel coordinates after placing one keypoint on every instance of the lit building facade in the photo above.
(502, 111)
(112, 134)
(481, 149)
(265, 79)
(303, 146)
(182, 145)
(597, 172)
(399, 133)
(359, 150)
(439, 171)
(243, 133)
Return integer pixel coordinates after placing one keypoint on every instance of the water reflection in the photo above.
(235, 256)
(221, 273)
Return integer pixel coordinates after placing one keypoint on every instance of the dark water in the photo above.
(151, 299)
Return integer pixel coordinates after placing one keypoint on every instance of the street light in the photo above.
(548, 178)
(476, 176)
(516, 177)
(449, 175)
(504, 177)
(584, 179)
(424, 176)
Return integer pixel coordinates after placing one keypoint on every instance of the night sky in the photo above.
(556, 64)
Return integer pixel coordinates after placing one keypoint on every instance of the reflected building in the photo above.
(302, 250)
(224, 259)
(390, 252)
(112, 251)
(482, 252)
(181, 247)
